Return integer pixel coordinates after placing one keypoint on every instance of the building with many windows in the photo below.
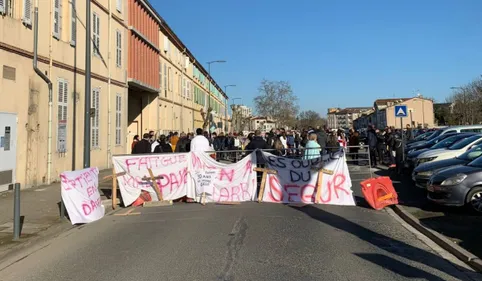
(143, 78)
(343, 118)
(172, 95)
(48, 135)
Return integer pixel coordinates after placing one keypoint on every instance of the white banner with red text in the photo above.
(186, 174)
(296, 180)
(81, 197)
(221, 182)
(170, 171)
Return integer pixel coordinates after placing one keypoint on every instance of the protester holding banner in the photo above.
(200, 143)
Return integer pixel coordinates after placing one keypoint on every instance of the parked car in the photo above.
(452, 151)
(458, 186)
(428, 144)
(423, 172)
(421, 137)
(440, 142)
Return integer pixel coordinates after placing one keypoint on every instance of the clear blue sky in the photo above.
(334, 53)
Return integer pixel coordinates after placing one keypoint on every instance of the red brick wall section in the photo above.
(143, 59)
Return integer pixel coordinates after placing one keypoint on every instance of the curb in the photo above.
(462, 254)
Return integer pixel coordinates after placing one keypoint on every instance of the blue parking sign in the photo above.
(401, 111)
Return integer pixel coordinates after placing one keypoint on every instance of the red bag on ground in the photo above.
(379, 192)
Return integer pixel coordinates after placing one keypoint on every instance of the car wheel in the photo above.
(474, 199)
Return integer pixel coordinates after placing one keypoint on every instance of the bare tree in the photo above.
(466, 104)
(277, 100)
(310, 118)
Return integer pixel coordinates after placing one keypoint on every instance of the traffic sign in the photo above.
(401, 111)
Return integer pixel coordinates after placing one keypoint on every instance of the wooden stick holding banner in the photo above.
(263, 180)
(319, 183)
(114, 177)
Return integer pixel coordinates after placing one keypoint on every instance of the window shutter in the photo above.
(118, 49)
(118, 119)
(73, 23)
(56, 31)
(2, 6)
(160, 74)
(27, 12)
(95, 119)
(119, 6)
(62, 115)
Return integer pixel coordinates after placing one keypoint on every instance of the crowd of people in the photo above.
(385, 146)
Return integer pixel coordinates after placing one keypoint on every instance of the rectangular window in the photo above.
(73, 23)
(2, 7)
(95, 33)
(95, 119)
(119, 6)
(62, 104)
(165, 80)
(188, 90)
(57, 19)
(118, 54)
(160, 75)
(118, 119)
(27, 12)
(184, 87)
(170, 79)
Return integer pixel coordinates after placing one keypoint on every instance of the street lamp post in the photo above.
(210, 80)
(226, 106)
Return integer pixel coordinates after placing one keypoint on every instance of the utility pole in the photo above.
(88, 44)
(226, 107)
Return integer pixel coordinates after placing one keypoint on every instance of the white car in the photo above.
(452, 151)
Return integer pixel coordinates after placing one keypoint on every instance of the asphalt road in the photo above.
(240, 242)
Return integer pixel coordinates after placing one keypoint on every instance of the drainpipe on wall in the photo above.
(183, 65)
(109, 107)
(49, 84)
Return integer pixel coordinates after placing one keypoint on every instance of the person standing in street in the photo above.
(372, 144)
(183, 145)
(163, 146)
(313, 148)
(143, 146)
(134, 142)
(409, 133)
(200, 143)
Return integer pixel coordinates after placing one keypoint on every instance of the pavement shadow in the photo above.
(362, 202)
(398, 267)
(378, 240)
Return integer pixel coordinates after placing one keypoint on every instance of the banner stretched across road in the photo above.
(196, 174)
(80, 193)
(296, 180)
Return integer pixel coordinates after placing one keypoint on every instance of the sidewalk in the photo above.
(459, 225)
(40, 210)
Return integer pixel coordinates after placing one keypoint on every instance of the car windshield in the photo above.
(423, 136)
(476, 163)
(435, 134)
(472, 154)
(446, 142)
(464, 142)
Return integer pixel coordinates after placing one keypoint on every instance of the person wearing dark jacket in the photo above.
(390, 142)
(322, 138)
(184, 143)
(381, 146)
(163, 146)
(219, 144)
(354, 143)
(372, 145)
(258, 143)
(143, 146)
